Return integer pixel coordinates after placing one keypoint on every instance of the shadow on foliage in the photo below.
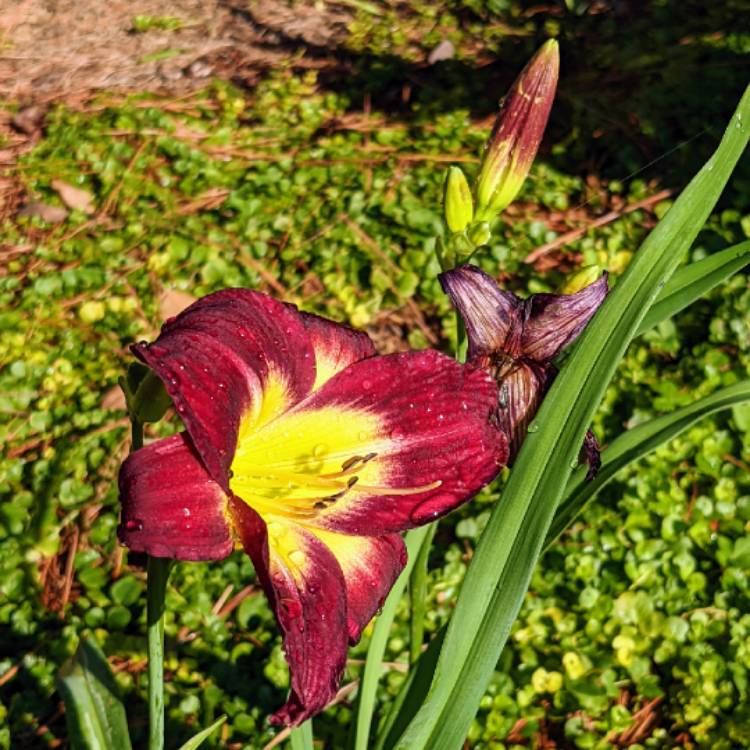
(640, 82)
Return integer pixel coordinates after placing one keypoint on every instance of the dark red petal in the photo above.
(309, 599)
(521, 391)
(493, 318)
(216, 358)
(170, 505)
(371, 566)
(435, 426)
(555, 320)
(336, 346)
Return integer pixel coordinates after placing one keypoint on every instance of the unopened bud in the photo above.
(480, 234)
(517, 133)
(582, 278)
(458, 204)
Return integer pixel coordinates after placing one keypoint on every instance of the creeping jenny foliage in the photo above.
(636, 629)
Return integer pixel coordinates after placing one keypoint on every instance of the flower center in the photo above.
(302, 463)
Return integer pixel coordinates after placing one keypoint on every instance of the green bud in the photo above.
(480, 234)
(582, 278)
(517, 133)
(457, 201)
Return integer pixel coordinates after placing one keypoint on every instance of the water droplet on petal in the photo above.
(297, 557)
(134, 524)
(186, 512)
(319, 450)
(533, 427)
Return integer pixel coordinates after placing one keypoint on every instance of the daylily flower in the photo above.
(312, 452)
(516, 340)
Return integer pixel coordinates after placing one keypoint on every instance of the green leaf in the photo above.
(418, 595)
(301, 737)
(196, 740)
(636, 443)
(373, 665)
(93, 706)
(691, 282)
(501, 568)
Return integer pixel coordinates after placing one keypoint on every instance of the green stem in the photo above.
(418, 594)
(158, 573)
(136, 432)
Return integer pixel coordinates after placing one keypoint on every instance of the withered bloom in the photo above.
(516, 340)
(517, 133)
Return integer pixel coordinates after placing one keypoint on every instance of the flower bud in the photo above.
(517, 133)
(582, 278)
(480, 234)
(458, 204)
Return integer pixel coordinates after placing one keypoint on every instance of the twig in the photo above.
(608, 218)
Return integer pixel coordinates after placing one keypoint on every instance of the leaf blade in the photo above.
(691, 282)
(637, 443)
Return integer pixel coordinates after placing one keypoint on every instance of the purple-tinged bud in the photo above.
(517, 133)
(458, 205)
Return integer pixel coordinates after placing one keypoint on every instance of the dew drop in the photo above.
(276, 530)
(221, 385)
(186, 512)
(533, 427)
(319, 450)
(134, 524)
(366, 384)
(362, 435)
(297, 557)
(574, 463)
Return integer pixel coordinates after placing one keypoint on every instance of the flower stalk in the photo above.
(158, 573)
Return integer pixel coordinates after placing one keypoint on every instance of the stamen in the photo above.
(400, 491)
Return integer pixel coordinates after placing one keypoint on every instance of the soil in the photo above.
(63, 49)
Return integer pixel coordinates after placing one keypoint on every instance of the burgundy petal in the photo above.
(371, 566)
(493, 318)
(555, 320)
(170, 505)
(434, 431)
(216, 359)
(336, 346)
(305, 585)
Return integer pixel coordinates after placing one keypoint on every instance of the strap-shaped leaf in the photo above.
(691, 282)
(501, 569)
(197, 740)
(635, 444)
(373, 666)
(93, 707)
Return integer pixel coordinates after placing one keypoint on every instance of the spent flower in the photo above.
(516, 341)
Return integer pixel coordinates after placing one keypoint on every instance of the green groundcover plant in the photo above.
(314, 452)
(453, 652)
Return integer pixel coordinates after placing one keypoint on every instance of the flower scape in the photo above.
(311, 452)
